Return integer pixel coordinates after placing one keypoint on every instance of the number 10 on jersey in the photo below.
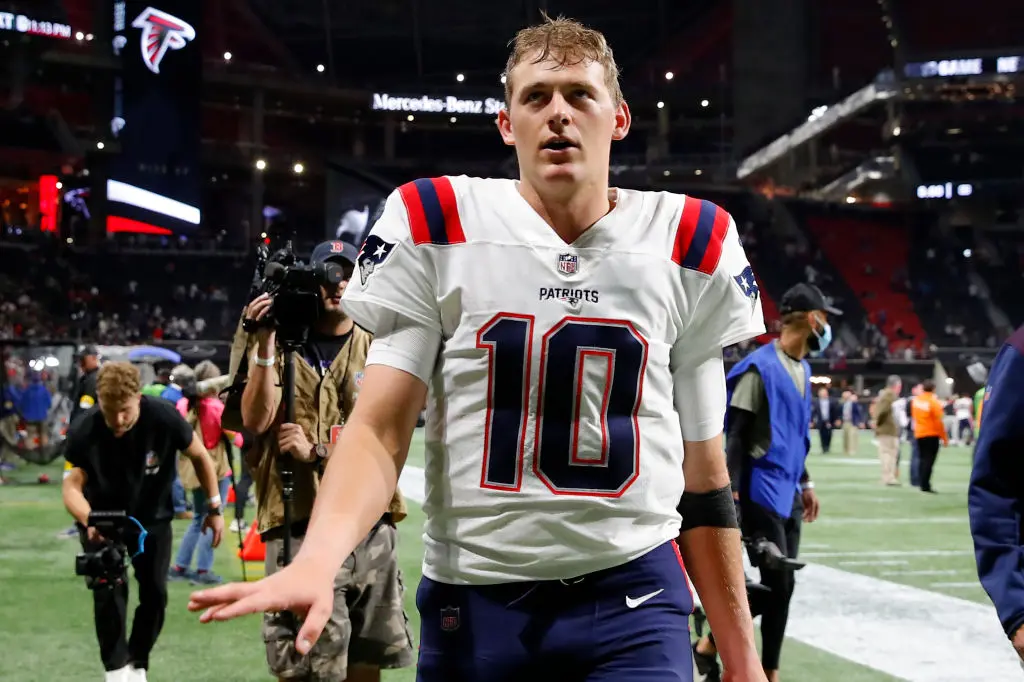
(617, 348)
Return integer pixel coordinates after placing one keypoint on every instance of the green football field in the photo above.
(890, 591)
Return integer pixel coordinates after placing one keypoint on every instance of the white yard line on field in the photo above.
(906, 632)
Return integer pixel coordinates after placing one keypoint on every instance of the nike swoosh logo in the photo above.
(633, 603)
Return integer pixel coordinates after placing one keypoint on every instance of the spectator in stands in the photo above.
(928, 430)
(824, 417)
(995, 497)
(887, 430)
(853, 419)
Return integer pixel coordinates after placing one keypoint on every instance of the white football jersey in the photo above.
(963, 408)
(553, 439)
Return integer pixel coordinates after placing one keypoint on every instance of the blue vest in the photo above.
(775, 477)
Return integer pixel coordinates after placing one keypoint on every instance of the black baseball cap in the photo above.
(803, 298)
(88, 350)
(335, 250)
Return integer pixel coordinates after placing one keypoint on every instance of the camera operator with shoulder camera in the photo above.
(123, 455)
(367, 630)
(767, 426)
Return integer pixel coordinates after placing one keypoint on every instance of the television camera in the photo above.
(107, 565)
(294, 287)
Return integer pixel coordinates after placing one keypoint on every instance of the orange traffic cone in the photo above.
(231, 495)
(253, 548)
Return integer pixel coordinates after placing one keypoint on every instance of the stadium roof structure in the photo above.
(936, 133)
(401, 43)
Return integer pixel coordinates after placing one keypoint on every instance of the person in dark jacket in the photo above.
(825, 416)
(995, 496)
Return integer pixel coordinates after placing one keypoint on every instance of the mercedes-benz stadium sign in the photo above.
(431, 104)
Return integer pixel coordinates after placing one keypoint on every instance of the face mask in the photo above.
(818, 342)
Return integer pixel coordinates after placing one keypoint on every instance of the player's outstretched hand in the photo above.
(301, 587)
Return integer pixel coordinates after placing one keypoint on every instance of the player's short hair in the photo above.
(928, 385)
(893, 381)
(117, 382)
(568, 42)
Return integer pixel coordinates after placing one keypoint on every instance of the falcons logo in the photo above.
(161, 32)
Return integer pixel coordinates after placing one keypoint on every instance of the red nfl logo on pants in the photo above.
(568, 263)
(450, 619)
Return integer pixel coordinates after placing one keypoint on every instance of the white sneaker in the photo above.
(120, 675)
(237, 525)
(136, 674)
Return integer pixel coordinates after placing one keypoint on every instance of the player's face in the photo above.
(562, 120)
(331, 293)
(120, 416)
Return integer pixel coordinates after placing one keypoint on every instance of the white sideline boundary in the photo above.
(903, 631)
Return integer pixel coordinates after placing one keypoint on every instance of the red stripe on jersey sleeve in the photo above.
(686, 229)
(414, 209)
(713, 254)
(450, 208)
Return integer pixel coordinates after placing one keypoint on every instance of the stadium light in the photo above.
(227, 56)
(261, 164)
(851, 200)
(896, 131)
(60, 185)
(79, 36)
(452, 119)
(298, 168)
(968, 253)
(704, 103)
(698, 172)
(503, 79)
(89, 36)
(100, 145)
(319, 68)
(669, 75)
(410, 118)
(460, 77)
(661, 105)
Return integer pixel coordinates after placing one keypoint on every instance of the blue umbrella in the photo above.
(153, 354)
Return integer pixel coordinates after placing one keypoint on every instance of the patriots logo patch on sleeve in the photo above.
(373, 254)
(748, 284)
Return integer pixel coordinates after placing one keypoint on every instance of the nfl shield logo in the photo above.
(568, 263)
(359, 379)
(450, 619)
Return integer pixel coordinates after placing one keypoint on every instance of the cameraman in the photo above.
(123, 455)
(367, 630)
(767, 427)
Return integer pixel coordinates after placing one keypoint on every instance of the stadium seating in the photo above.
(999, 258)
(871, 255)
(940, 285)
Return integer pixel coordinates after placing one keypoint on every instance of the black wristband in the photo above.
(715, 509)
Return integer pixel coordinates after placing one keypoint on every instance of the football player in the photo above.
(571, 338)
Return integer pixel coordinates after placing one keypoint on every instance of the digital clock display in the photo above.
(19, 23)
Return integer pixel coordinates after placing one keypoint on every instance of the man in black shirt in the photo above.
(123, 457)
(84, 395)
